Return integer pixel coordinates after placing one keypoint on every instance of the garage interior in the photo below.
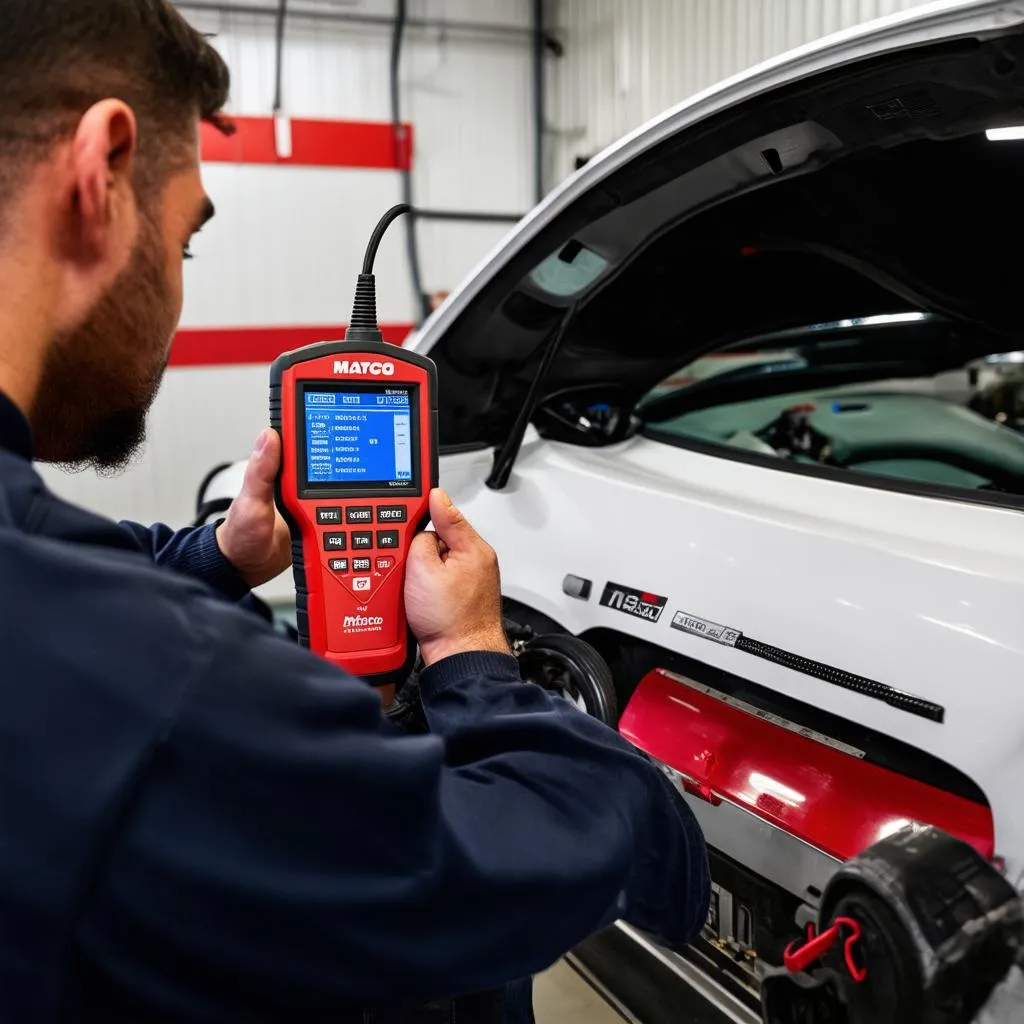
(477, 112)
(496, 104)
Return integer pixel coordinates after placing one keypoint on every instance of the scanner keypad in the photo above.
(362, 575)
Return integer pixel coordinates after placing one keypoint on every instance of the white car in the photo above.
(736, 405)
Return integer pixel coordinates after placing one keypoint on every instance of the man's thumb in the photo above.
(264, 463)
(449, 523)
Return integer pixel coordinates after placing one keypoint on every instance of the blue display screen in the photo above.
(359, 437)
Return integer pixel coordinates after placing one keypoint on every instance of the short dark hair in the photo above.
(59, 57)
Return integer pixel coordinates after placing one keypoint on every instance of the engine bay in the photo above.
(905, 396)
(877, 429)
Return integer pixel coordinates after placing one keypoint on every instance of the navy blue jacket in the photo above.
(200, 821)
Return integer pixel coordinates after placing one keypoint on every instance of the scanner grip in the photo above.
(298, 560)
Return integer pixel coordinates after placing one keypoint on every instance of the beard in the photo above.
(99, 381)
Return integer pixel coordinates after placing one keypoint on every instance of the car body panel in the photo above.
(920, 594)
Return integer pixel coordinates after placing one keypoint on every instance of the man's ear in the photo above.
(103, 164)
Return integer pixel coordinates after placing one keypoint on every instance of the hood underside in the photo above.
(871, 189)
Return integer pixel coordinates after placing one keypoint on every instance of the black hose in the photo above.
(282, 11)
(539, 102)
(412, 246)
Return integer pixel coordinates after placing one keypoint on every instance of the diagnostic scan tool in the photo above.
(358, 422)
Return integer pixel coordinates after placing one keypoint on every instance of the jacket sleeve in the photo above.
(289, 856)
(192, 552)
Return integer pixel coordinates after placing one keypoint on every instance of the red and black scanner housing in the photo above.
(350, 538)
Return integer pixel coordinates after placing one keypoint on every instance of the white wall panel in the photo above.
(286, 247)
(628, 60)
(457, 249)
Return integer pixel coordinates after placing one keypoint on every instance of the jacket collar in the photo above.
(15, 433)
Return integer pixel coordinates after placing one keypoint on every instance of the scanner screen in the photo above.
(362, 438)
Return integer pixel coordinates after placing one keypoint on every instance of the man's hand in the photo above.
(452, 588)
(253, 537)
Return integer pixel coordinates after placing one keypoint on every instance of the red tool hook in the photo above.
(818, 945)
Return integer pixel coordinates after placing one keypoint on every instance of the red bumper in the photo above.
(826, 797)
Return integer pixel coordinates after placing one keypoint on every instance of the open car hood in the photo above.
(850, 178)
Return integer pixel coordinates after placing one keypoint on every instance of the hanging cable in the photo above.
(403, 161)
(539, 100)
(282, 12)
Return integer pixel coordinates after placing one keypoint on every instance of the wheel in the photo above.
(894, 989)
(572, 669)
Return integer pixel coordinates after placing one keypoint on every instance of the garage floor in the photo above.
(561, 996)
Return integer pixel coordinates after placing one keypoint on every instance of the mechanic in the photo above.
(202, 821)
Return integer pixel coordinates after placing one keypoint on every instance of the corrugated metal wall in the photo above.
(288, 242)
(628, 60)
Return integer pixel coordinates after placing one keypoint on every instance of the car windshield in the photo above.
(905, 395)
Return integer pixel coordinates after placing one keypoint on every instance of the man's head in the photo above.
(100, 194)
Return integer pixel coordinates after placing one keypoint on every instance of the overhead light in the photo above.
(1014, 133)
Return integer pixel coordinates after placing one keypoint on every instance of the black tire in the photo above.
(893, 992)
(563, 663)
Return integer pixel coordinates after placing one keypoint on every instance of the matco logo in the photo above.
(354, 368)
(355, 621)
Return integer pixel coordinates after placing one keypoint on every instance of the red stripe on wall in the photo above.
(314, 144)
(246, 345)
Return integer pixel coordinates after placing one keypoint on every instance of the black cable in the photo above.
(404, 165)
(471, 216)
(207, 480)
(539, 102)
(364, 325)
(378, 233)
(282, 11)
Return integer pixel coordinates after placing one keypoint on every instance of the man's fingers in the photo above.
(425, 548)
(264, 463)
(451, 525)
